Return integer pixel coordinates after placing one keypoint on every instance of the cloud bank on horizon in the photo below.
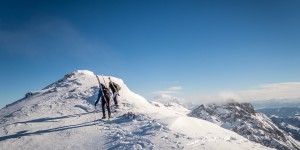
(167, 95)
(170, 90)
(287, 90)
(272, 91)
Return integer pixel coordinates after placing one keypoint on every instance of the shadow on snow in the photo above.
(55, 119)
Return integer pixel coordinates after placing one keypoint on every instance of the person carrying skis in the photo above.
(105, 100)
(115, 88)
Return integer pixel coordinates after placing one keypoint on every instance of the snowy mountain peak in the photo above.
(83, 72)
(242, 119)
(78, 73)
(63, 116)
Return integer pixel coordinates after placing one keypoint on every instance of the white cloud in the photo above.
(170, 90)
(220, 97)
(175, 88)
(166, 98)
(229, 95)
(167, 94)
(272, 91)
(288, 90)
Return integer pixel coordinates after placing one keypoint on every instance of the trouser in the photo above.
(105, 103)
(115, 97)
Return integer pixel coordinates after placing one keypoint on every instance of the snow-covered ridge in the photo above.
(62, 116)
(290, 124)
(83, 72)
(242, 119)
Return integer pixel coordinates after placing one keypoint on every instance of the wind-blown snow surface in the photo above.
(62, 116)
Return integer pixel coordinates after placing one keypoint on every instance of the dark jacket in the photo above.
(105, 91)
(114, 87)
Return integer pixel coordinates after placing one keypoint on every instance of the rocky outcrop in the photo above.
(242, 119)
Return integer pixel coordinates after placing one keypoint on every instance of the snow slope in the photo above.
(290, 124)
(242, 119)
(62, 116)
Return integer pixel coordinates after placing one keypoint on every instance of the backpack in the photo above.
(117, 86)
(106, 92)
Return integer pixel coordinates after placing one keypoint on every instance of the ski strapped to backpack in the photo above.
(102, 90)
(109, 90)
(103, 80)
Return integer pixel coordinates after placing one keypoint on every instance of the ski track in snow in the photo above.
(62, 116)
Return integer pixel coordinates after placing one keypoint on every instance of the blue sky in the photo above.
(203, 47)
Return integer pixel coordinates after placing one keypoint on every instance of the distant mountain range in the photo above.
(290, 124)
(286, 118)
(242, 119)
(276, 103)
(284, 111)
